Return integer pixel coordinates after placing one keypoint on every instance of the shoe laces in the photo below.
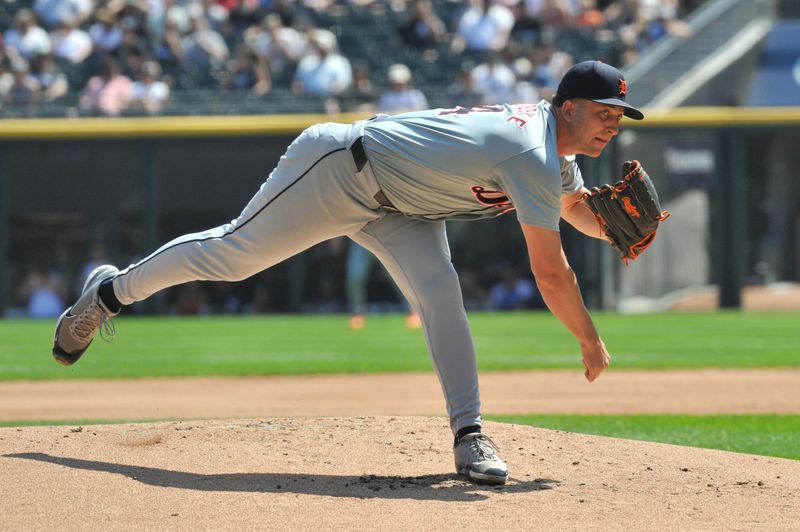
(484, 447)
(92, 318)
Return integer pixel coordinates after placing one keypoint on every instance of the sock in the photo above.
(466, 430)
(108, 297)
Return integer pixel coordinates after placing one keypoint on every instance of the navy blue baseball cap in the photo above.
(598, 82)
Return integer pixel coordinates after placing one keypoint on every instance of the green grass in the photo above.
(768, 435)
(289, 344)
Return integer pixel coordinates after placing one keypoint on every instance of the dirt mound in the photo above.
(375, 473)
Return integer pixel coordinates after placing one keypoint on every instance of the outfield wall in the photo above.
(728, 176)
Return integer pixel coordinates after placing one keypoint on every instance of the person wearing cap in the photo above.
(400, 96)
(389, 184)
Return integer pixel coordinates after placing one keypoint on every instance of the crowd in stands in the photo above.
(112, 57)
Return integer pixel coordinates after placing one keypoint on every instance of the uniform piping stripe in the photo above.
(226, 233)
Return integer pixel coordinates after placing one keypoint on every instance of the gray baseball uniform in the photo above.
(389, 184)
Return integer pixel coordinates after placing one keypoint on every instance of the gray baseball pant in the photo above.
(314, 194)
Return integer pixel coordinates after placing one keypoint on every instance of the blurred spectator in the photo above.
(422, 27)
(244, 13)
(590, 15)
(177, 12)
(24, 92)
(287, 10)
(639, 24)
(548, 65)
(106, 32)
(400, 96)
(555, 14)
(660, 19)
(247, 72)
(216, 15)
(204, 51)
(25, 39)
(495, 80)
(323, 72)
(44, 294)
(132, 52)
(70, 43)
(320, 6)
(363, 94)
(512, 292)
(280, 46)
(52, 81)
(108, 93)
(168, 49)
(54, 13)
(149, 92)
(463, 92)
(155, 15)
(314, 34)
(6, 78)
(483, 26)
(133, 15)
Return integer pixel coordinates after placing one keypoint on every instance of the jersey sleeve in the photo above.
(571, 178)
(533, 188)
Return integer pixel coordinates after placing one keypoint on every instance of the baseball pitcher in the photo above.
(389, 184)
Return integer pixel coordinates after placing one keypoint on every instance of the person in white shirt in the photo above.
(148, 92)
(324, 72)
(495, 80)
(483, 26)
(25, 39)
(71, 43)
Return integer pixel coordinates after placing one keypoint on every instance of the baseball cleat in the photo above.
(77, 326)
(476, 458)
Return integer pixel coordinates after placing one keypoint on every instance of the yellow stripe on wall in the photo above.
(167, 126)
(215, 126)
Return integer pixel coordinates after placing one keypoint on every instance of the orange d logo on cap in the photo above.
(623, 88)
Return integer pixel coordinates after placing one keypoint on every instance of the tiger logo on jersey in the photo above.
(493, 198)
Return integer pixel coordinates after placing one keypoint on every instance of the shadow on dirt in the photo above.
(446, 487)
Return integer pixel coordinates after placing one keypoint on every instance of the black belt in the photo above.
(360, 158)
(358, 153)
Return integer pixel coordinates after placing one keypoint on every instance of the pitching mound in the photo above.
(392, 473)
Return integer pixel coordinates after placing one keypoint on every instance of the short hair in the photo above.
(559, 100)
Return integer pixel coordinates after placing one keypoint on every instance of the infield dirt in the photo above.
(387, 471)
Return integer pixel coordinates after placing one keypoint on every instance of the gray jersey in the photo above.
(473, 163)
